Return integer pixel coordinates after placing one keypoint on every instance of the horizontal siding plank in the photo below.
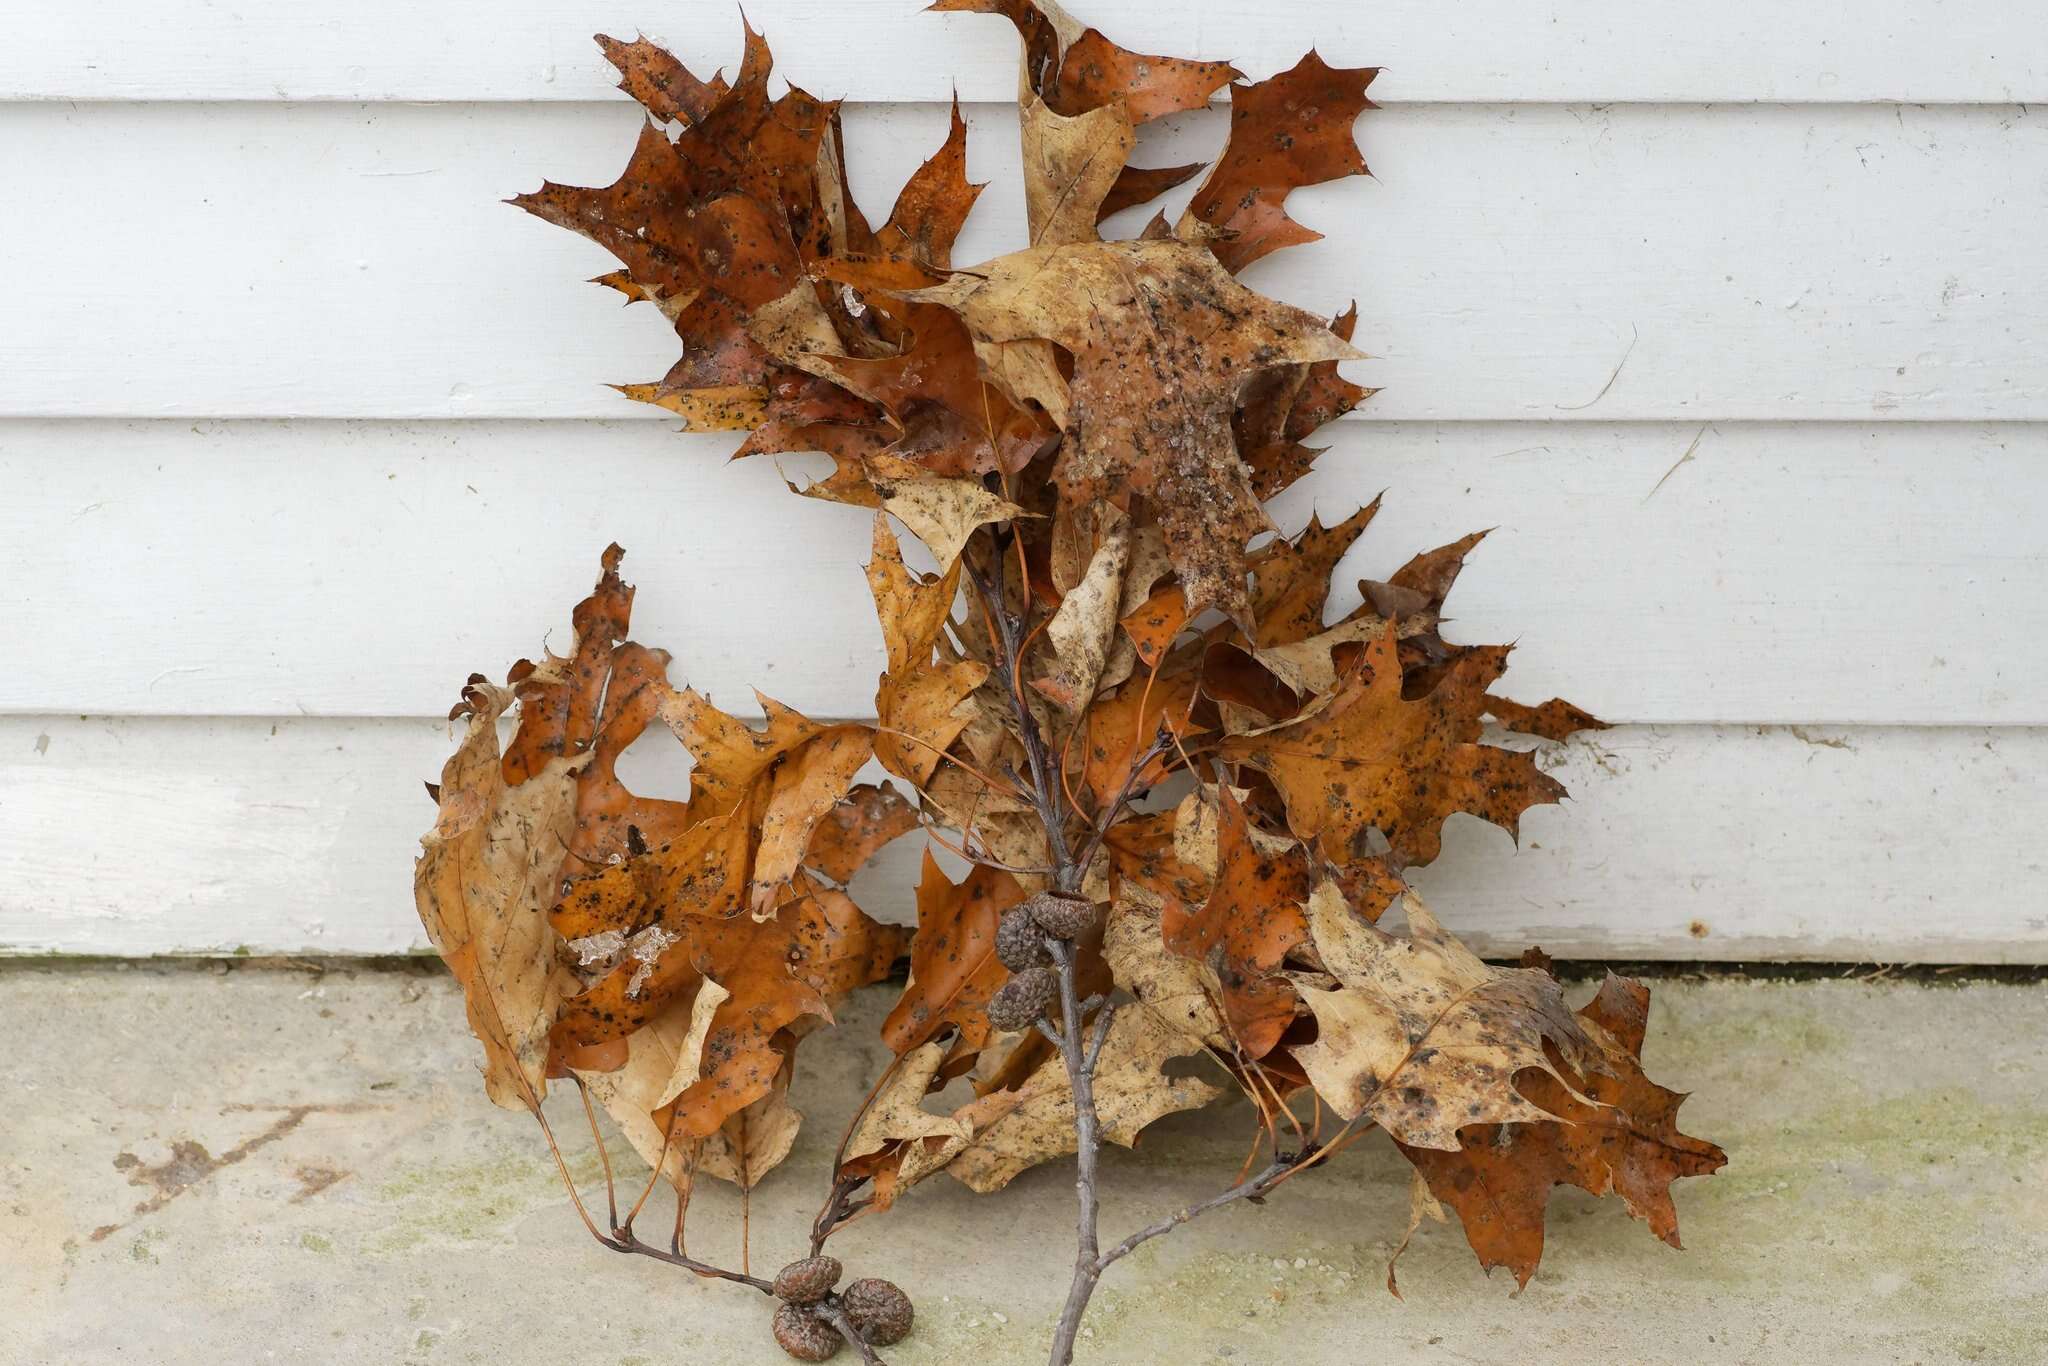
(1796, 573)
(1552, 262)
(297, 836)
(1589, 50)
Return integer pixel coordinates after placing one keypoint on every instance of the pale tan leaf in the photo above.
(1181, 992)
(689, 1062)
(663, 1058)
(1070, 164)
(755, 1140)
(1423, 1037)
(795, 328)
(1131, 1092)
(1306, 665)
(1027, 372)
(897, 1115)
(941, 512)
(486, 875)
(1081, 631)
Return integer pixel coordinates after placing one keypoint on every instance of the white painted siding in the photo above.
(1961, 51)
(176, 835)
(299, 425)
(1750, 261)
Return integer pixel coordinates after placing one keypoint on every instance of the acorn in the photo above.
(805, 1336)
(1020, 944)
(1061, 915)
(807, 1281)
(879, 1309)
(1023, 998)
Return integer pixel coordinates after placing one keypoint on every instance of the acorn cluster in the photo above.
(878, 1310)
(1021, 947)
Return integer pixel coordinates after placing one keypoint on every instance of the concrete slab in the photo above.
(268, 1165)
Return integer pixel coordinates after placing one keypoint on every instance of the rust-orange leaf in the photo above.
(1367, 759)
(953, 966)
(651, 75)
(1251, 921)
(1629, 1145)
(1291, 130)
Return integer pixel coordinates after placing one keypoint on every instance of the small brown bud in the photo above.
(879, 1309)
(805, 1336)
(807, 1281)
(1062, 916)
(1023, 999)
(1020, 944)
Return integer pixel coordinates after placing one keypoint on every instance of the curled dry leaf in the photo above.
(1421, 1036)
(1251, 921)
(921, 702)
(953, 965)
(1625, 1142)
(1365, 758)
(489, 868)
(898, 1142)
(1082, 630)
(1286, 132)
(1036, 1123)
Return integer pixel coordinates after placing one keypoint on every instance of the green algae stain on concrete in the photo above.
(1694, 1034)
(143, 1248)
(473, 1201)
(314, 1242)
(1231, 1297)
(1894, 1140)
(1867, 1194)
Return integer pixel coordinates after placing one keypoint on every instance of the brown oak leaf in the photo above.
(1251, 921)
(1287, 131)
(489, 868)
(1365, 758)
(953, 965)
(1626, 1143)
(1163, 341)
(1423, 1038)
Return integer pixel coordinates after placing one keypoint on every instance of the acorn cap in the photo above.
(879, 1309)
(1023, 999)
(1061, 915)
(1020, 944)
(807, 1281)
(805, 1336)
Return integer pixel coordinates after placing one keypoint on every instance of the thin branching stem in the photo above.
(1081, 1050)
(1244, 1190)
(1087, 1150)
